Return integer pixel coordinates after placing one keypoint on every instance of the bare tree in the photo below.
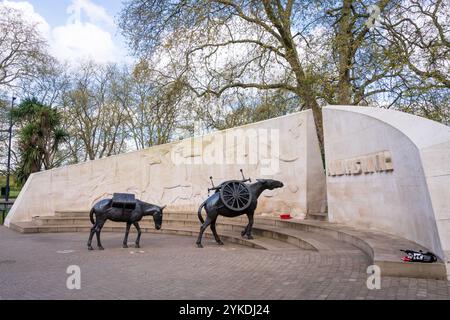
(239, 107)
(420, 33)
(107, 109)
(228, 44)
(21, 46)
(157, 106)
(49, 83)
(94, 120)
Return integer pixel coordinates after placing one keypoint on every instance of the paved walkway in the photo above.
(33, 266)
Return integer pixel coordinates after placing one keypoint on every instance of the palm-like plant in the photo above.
(39, 137)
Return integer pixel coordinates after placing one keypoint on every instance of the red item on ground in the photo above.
(285, 216)
(406, 259)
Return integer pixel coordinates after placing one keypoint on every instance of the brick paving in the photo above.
(33, 266)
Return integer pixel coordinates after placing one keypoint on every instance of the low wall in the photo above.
(177, 174)
(390, 171)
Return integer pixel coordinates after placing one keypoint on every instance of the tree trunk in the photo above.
(306, 92)
(344, 50)
(311, 103)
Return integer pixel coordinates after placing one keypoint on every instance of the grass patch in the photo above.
(14, 187)
(1, 215)
(14, 193)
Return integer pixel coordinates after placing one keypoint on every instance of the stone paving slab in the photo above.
(33, 266)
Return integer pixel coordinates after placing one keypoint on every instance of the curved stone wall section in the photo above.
(390, 171)
(177, 174)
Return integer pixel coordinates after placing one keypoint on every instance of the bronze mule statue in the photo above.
(105, 210)
(231, 199)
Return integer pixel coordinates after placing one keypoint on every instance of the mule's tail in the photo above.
(91, 215)
(200, 212)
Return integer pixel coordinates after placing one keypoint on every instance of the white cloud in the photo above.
(77, 40)
(83, 40)
(95, 13)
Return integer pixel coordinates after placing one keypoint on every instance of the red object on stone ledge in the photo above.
(285, 216)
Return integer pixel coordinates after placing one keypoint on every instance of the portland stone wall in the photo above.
(177, 174)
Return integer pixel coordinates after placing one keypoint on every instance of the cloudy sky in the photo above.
(78, 29)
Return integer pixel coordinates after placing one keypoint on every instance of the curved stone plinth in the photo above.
(270, 234)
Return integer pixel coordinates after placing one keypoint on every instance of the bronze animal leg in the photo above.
(98, 230)
(244, 231)
(125, 239)
(202, 229)
(248, 228)
(89, 244)
(138, 238)
(216, 236)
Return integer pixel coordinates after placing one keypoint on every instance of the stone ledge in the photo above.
(228, 236)
(298, 238)
(383, 249)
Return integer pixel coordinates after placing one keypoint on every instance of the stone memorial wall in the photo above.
(177, 174)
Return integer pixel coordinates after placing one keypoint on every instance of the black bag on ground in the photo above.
(124, 201)
(420, 256)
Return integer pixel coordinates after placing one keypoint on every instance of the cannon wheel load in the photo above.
(235, 194)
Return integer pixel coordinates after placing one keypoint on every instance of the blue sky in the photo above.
(54, 11)
(77, 29)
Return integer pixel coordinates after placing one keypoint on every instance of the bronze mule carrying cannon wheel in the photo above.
(235, 194)
(233, 198)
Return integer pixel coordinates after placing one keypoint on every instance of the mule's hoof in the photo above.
(90, 248)
(101, 248)
(137, 245)
(220, 243)
(248, 237)
(124, 246)
(199, 245)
